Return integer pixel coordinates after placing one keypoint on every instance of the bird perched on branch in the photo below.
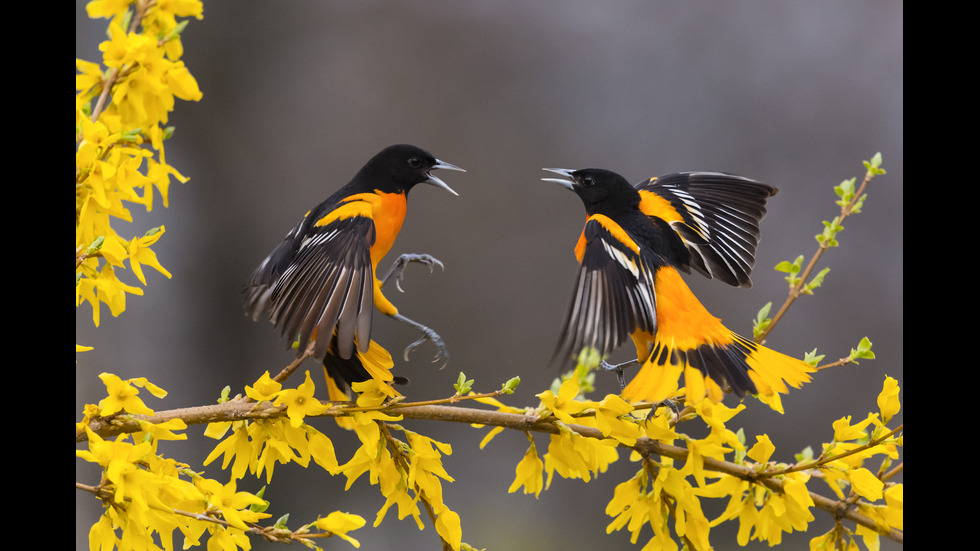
(320, 283)
(635, 242)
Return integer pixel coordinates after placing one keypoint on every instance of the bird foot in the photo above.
(619, 369)
(442, 353)
(397, 269)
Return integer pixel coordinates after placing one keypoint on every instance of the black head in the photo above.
(399, 167)
(601, 191)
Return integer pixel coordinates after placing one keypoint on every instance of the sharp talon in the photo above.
(671, 405)
(427, 335)
(397, 269)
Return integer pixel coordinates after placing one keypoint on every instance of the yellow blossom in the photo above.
(140, 254)
(123, 396)
(529, 472)
(564, 405)
(322, 451)
(865, 483)
(762, 450)
(339, 524)
(449, 527)
(300, 402)
(888, 403)
(265, 389)
(609, 418)
(237, 447)
(232, 504)
(844, 431)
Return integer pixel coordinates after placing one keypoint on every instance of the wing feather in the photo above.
(322, 283)
(717, 216)
(613, 297)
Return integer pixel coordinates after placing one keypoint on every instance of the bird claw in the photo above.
(442, 352)
(619, 369)
(397, 268)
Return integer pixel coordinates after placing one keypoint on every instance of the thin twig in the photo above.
(796, 291)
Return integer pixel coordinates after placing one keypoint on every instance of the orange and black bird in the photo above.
(320, 283)
(636, 241)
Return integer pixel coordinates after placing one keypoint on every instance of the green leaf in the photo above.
(863, 351)
(793, 269)
(815, 282)
(829, 236)
(805, 455)
(463, 386)
(813, 358)
(874, 165)
(510, 385)
(790, 267)
(762, 320)
(281, 523)
(261, 507)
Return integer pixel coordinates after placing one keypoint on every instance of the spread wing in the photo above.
(613, 294)
(319, 281)
(717, 216)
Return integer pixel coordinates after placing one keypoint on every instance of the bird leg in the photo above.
(619, 369)
(397, 268)
(427, 335)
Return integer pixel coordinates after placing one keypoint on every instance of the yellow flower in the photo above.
(123, 396)
(865, 483)
(449, 527)
(322, 451)
(529, 472)
(265, 389)
(844, 431)
(300, 402)
(107, 8)
(230, 502)
(609, 418)
(425, 465)
(888, 403)
(762, 450)
(237, 447)
(564, 405)
(140, 254)
(339, 524)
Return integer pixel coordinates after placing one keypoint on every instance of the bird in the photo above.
(636, 242)
(320, 284)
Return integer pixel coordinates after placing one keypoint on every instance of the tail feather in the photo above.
(740, 367)
(375, 363)
(689, 341)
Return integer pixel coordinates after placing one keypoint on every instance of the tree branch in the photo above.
(238, 410)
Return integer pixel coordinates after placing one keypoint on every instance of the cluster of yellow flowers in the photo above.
(121, 106)
(406, 472)
(673, 480)
(147, 496)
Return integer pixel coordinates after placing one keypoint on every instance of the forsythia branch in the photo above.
(237, 410)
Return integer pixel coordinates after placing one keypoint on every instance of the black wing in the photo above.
(613, 296)
(319, 281)
(717, 215)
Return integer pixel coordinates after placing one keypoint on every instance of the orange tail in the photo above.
(693, 343)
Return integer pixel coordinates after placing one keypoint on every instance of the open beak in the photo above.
(567, 181)
(434, 180)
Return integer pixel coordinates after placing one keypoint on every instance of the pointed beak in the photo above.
(434, 180)
(567, 181)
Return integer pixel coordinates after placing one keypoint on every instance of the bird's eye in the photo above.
(414, 162)
(588, 181)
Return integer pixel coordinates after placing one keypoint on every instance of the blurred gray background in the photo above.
(298, 95)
